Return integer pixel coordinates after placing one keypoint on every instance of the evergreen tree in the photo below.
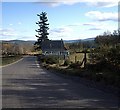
(43, 28)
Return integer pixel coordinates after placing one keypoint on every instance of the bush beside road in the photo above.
(94, 73)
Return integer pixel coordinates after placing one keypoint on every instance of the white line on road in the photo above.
(37, 64)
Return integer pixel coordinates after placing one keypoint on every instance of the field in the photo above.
(74, 57)
(77, 57)
(9, 59)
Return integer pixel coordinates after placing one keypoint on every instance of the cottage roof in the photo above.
(53, 45)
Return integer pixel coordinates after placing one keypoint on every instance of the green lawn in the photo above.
(9, 59)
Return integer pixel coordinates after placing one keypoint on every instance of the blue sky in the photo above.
(68, 20)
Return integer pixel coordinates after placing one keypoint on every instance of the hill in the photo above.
(79, 40)
(33, 41)
(18, 41)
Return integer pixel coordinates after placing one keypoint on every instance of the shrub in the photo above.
(66, 63)
(98, 77)
(98, 67)
(48, 59)
(43, 59)
(75, 65)
(52, 60)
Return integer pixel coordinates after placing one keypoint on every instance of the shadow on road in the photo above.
(38, 88)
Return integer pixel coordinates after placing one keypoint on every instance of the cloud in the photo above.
(19, 23)
(103, 26)
(101, 3)
(11, 24)
(90, 24)
(18, 0)
(61, 32)
(74, 25)
(95, 29)
(8, 32)
(102, 16)
(54, 3)
(94, 26)
(27, 37)
(97, 3)
(11, 34)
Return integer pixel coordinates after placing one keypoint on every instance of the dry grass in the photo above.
(9, 59)
(79, 57)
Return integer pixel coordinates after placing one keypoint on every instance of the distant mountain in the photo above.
(19, 41)
(78, 40)
(33, 41)
(88, 39)
(71, 41)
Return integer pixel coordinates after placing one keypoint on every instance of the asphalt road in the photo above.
(26, 85)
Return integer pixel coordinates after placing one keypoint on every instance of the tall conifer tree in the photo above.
(43, 29)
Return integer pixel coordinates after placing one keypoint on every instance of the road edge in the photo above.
(11, 63)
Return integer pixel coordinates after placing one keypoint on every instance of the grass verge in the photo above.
(9, 59)
(95, 72)
(87, 77)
